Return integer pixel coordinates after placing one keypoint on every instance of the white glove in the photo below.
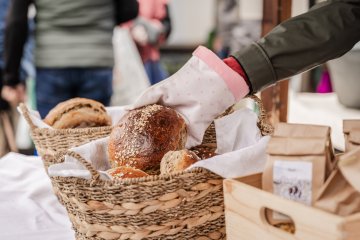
(200, 91)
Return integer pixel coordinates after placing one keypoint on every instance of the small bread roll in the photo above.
(144, 135)
(78, 113)
(125, 172)
(177, 161)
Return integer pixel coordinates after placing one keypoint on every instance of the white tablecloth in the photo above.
(29, 210)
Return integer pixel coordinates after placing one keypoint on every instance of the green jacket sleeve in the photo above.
(327, 31)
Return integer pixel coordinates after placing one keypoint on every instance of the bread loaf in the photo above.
(78, 113)
(144, 135)
(177, 161)
(125, 172)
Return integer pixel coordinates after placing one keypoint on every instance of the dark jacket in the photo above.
(327, 31)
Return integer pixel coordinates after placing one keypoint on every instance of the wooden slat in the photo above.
(252, 180)
(275, 98)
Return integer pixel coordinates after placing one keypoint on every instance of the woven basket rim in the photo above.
(71, 130)
(151, 178)
(131, 181)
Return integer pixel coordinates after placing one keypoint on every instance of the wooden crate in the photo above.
(245, 205)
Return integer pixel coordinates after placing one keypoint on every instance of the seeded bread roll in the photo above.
(125, 172)
(177, 161)
(144, 135)
(78, 113)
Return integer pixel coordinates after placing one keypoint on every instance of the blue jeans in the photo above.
(55, 85)
(155, 71)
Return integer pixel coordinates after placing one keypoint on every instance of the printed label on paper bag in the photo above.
(293, 180)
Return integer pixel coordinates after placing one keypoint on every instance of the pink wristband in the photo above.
(235, 82)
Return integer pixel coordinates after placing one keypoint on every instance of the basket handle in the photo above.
(263, 122)
(26, 114)
(94, 174)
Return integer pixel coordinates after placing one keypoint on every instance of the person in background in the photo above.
(227, 17)
(4, 105)
(74, 55)
(5, 110)
(149, 30)
(234, 30)
(8, 112)
(324, 85)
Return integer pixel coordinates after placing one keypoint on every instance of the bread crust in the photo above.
(125, 172)
(78, 113)
(177, 161)
(144, 135)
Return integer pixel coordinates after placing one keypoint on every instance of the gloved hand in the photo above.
(200, 91)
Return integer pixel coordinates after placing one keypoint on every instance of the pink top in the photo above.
(155, 11)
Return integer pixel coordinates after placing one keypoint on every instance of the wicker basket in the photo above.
(187, 205)
(184, 205)
(48, 141)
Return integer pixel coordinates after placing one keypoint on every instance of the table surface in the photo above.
(29, 210)
(322, 109)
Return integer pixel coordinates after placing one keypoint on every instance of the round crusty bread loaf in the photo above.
(78, 113)
(144, 135)
(177, 161)
(125, 172)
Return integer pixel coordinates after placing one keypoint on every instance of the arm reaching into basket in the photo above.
(200, 91)
(327, 31)
(205, 86)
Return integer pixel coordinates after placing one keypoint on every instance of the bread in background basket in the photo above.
(49, 141)
(78, 113)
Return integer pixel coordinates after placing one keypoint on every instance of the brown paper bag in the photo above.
(295, 168)
(341, 193)
(300, 157)
(301, 130)
(309, 131)
(351, 129)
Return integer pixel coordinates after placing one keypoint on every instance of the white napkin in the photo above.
(236, 131)
(240, 144)
(95, 152)
(116, 113)
(238, 163)
(246, 153)
(29, 210)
